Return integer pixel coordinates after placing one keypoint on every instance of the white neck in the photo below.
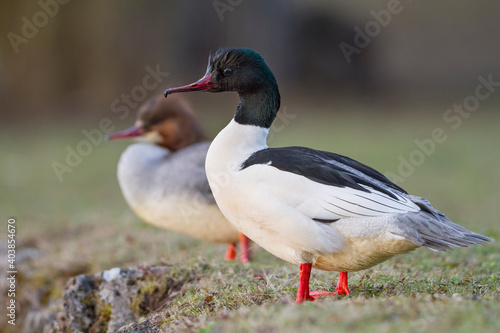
(231, 147)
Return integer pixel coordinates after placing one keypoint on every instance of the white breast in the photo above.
(170, 190)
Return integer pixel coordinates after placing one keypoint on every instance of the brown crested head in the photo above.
(170, 123)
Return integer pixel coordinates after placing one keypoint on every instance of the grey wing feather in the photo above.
(193, 166)
(432, 229)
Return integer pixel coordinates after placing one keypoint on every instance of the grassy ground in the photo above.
(82, 225)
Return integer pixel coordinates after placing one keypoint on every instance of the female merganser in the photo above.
(165, 183)
(311, 208)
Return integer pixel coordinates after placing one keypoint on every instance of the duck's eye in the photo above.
(227, 71)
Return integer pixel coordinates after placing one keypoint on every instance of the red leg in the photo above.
(244, 248)
(342, 288)
(303, 291)
(231, 251)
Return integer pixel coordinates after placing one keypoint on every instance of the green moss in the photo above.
(89, 301)
(154, 291)
(103, 314)
(149, 293)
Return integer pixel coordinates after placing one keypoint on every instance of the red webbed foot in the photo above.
(303, 293)
(321, 293)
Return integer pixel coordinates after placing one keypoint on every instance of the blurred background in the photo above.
(367, 79)
(72, 63)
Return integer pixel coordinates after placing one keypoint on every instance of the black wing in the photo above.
(325, 168)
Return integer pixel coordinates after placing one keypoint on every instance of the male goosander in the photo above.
(311, 208)
(164, 182)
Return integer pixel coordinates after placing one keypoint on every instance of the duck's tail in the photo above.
(432, 229)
